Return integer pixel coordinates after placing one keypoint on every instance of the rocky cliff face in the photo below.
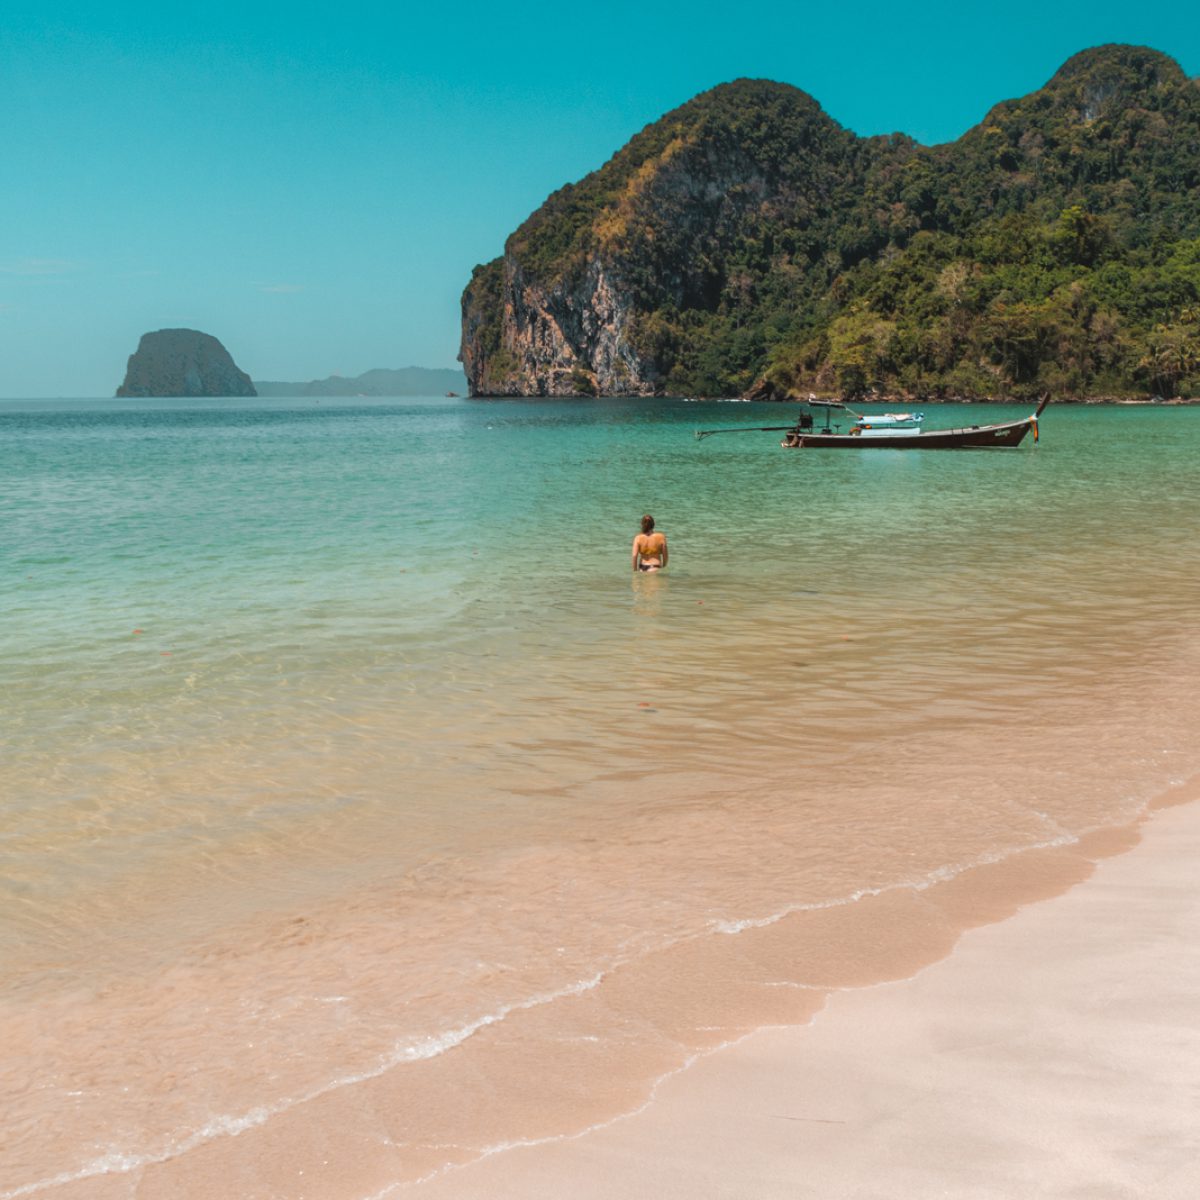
(573, 307)
(565, 338)
(183, 362)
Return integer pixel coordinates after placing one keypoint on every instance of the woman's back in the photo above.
(649, 547)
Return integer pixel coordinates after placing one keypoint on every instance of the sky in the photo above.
(312, 183)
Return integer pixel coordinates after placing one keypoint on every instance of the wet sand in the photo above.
(1053, 1054)
(1039, 1041)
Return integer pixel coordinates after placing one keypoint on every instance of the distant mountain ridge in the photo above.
(401, 381)
(748, 244)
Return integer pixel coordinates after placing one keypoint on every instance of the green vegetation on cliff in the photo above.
(749, 242)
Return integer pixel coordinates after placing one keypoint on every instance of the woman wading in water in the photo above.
(649, 548)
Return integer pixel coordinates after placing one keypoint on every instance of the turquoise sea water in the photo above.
(257, 656)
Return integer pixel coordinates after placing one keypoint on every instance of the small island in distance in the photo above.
(183, 362)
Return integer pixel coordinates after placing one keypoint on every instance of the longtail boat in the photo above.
(891, 431)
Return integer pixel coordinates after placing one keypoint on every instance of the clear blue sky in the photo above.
(312, 183)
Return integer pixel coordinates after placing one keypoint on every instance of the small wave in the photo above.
(939, 875)
(116, 1162)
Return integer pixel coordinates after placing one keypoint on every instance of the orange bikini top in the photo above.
(651, 546)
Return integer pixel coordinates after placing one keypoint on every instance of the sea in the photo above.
(362, 813)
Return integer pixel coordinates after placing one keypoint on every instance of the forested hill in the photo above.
(746, 243)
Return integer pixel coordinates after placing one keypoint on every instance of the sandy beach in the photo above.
(1054, 1054)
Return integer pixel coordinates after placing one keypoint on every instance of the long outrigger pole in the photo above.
(703, 433)
(811, 402)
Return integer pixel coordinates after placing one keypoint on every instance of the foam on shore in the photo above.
(1054, 1054)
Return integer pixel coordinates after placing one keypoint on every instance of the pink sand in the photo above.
(1055, 1054)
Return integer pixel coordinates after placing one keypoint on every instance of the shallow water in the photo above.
(351, 780)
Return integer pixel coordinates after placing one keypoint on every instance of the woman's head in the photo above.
(647, 523)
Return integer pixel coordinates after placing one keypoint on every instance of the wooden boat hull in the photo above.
(969, 437)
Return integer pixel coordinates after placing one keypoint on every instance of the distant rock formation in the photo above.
(183, 362)
(402, 381)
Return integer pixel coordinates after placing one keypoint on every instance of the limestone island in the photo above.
(746, 244)
(183, 362)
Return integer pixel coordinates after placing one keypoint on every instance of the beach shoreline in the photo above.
(1052, 1053)
(909, 1026)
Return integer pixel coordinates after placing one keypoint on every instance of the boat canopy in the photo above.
(910, 418)
(890, 419)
